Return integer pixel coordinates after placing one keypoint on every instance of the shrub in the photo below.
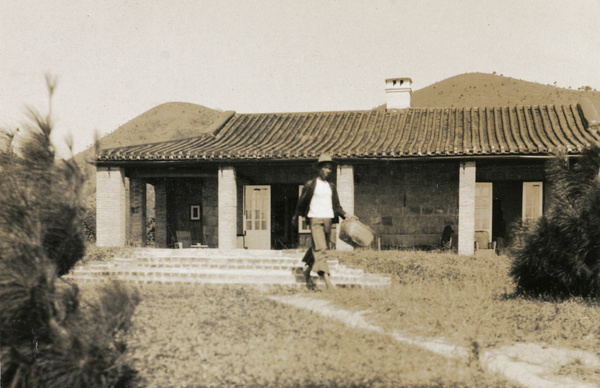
(89, 225)
(94, 253)
(558, 255)
(150, 231)
(50, 338)
(39, 198)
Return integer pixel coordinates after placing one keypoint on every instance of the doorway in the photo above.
(508, 203)
(284, 200)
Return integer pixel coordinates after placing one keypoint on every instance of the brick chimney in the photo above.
(397, 91)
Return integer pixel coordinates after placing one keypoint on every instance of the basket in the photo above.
(356, 233)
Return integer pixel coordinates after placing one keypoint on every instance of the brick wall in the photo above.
(111, 207)
(506, 171)
(182, 194)
(407, 204)
(160, 215)
(137, 213)
(173, 198)
(275, 174)
(210, 216)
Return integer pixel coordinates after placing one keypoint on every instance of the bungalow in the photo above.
(406, 172)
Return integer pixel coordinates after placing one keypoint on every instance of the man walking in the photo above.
(320, 204)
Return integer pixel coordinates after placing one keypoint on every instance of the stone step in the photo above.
(230, 282)
(136, 267)
(340, 275)
(228, 279)
(202, 266)
(154, 259)
(219, 253)
(224, 262)
(222, 267)
(228, 276)
(213, 264)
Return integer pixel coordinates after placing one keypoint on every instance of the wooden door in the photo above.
(483, 208)
(257, 217)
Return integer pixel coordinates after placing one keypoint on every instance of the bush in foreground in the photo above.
(49, 337)
(559, 255)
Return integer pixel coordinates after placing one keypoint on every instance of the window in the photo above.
(532, 200)
(195, 212)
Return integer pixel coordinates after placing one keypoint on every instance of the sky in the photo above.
(116, 59)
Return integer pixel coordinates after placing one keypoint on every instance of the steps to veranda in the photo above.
(214, 266)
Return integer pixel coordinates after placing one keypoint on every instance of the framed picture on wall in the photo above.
(195, 212)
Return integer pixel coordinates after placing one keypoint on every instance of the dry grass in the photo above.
(221, 336)
(469, 300)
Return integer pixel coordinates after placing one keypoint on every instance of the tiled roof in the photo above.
(531, 130)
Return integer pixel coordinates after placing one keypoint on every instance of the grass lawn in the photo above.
(469, 300)
(222, 336)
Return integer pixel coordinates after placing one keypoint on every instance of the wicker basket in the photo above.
(356, 233)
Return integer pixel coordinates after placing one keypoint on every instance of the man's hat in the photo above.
(324, 158)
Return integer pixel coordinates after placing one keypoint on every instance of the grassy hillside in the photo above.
(480, 89)
(172, 120)
(169, 121)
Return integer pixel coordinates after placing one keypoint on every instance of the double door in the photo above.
(531, 202)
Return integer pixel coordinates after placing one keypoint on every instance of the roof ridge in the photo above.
(303, 112)
(401, 111)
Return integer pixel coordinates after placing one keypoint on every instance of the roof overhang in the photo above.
(304, 161)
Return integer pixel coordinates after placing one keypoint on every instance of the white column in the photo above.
(227, 208)
(111, 207)
(345, 188)
(466, 209)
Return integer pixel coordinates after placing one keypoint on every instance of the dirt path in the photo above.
(527, 364)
